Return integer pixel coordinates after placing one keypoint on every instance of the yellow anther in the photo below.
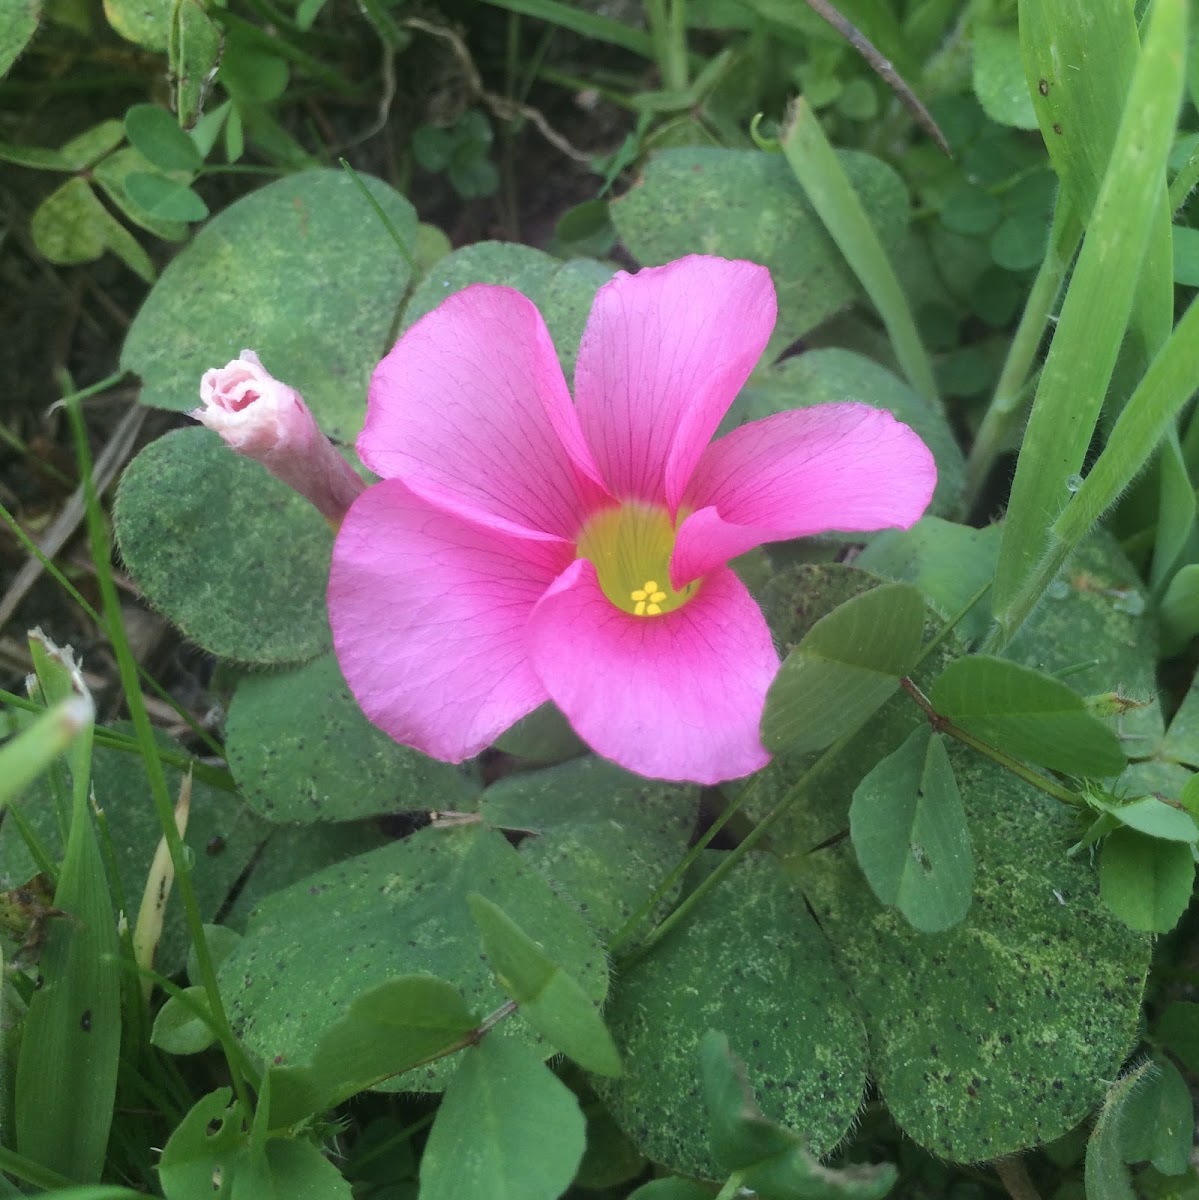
(652, 593)
(624, 541)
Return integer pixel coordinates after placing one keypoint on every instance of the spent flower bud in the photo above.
(262, 418)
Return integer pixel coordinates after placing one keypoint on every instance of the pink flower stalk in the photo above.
(522, 548)
(264, 419)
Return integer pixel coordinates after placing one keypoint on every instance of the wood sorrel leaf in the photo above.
(603, 838)
(672, 1188)
(72, 226)
(1180, 607)
(207, 1142)
(1159, 1126)
(1106, 1176)
(301, 750)
(156, 133)
(91, 145)
(949, 564)
(793, 601)
(748, 947)
(281, 997)
(997, 1034)
(1095, 631)
(1152, 817)
(292, 1168)
(165, 198)
(844, 668)
(1178, 1032)
(746, 204)
(999, 81)
(1145, 881)
(307, 276)
(110, 174)
(210, 1153)
(551, 1001)
(1028, 714)
(386, 1030)
(909, 830)
(773, 1162)
(193, 53)
(145, 25)
(543, 737)
(563, 292)
(737, 1130)
(1181, 741)
(611, 1158)
(19, 21)
(178, 1029)
(248, 589)
(485, 1146)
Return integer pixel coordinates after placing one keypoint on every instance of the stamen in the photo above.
(621, 543)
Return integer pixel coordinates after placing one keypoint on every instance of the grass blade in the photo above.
(26, 756)
(1010, 397)
(1095, 313)
(71, 1042)
(101, 548)
(1171, 380)
(579, 20)
(820, 174)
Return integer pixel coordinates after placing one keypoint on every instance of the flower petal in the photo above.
(847, 467)
(429, 615)
(664, 354)
(673, 697)
(471, 410)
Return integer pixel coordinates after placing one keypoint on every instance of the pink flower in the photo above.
(523, 548)
(264, 419)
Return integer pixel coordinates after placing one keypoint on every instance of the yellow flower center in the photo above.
(630, 548)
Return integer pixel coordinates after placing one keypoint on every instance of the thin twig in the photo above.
(108, 463)
(383, 111)
(1013, 1174)
(882, 67)
(501, 106)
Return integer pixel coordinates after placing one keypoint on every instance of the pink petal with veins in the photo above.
(664, 354)
(471, 410)
(673, 697)
(847, 467)
(429, 614)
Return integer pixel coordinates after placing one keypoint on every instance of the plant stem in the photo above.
(1013, 1174)
(1163, 390)
(945, 725)
(1011, 392)
(26, 1169)
(735, 855)
(669, 32)
(101, 549)
(624, 932)
(732, 1187)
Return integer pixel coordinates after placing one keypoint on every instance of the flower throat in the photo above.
(630, 548)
